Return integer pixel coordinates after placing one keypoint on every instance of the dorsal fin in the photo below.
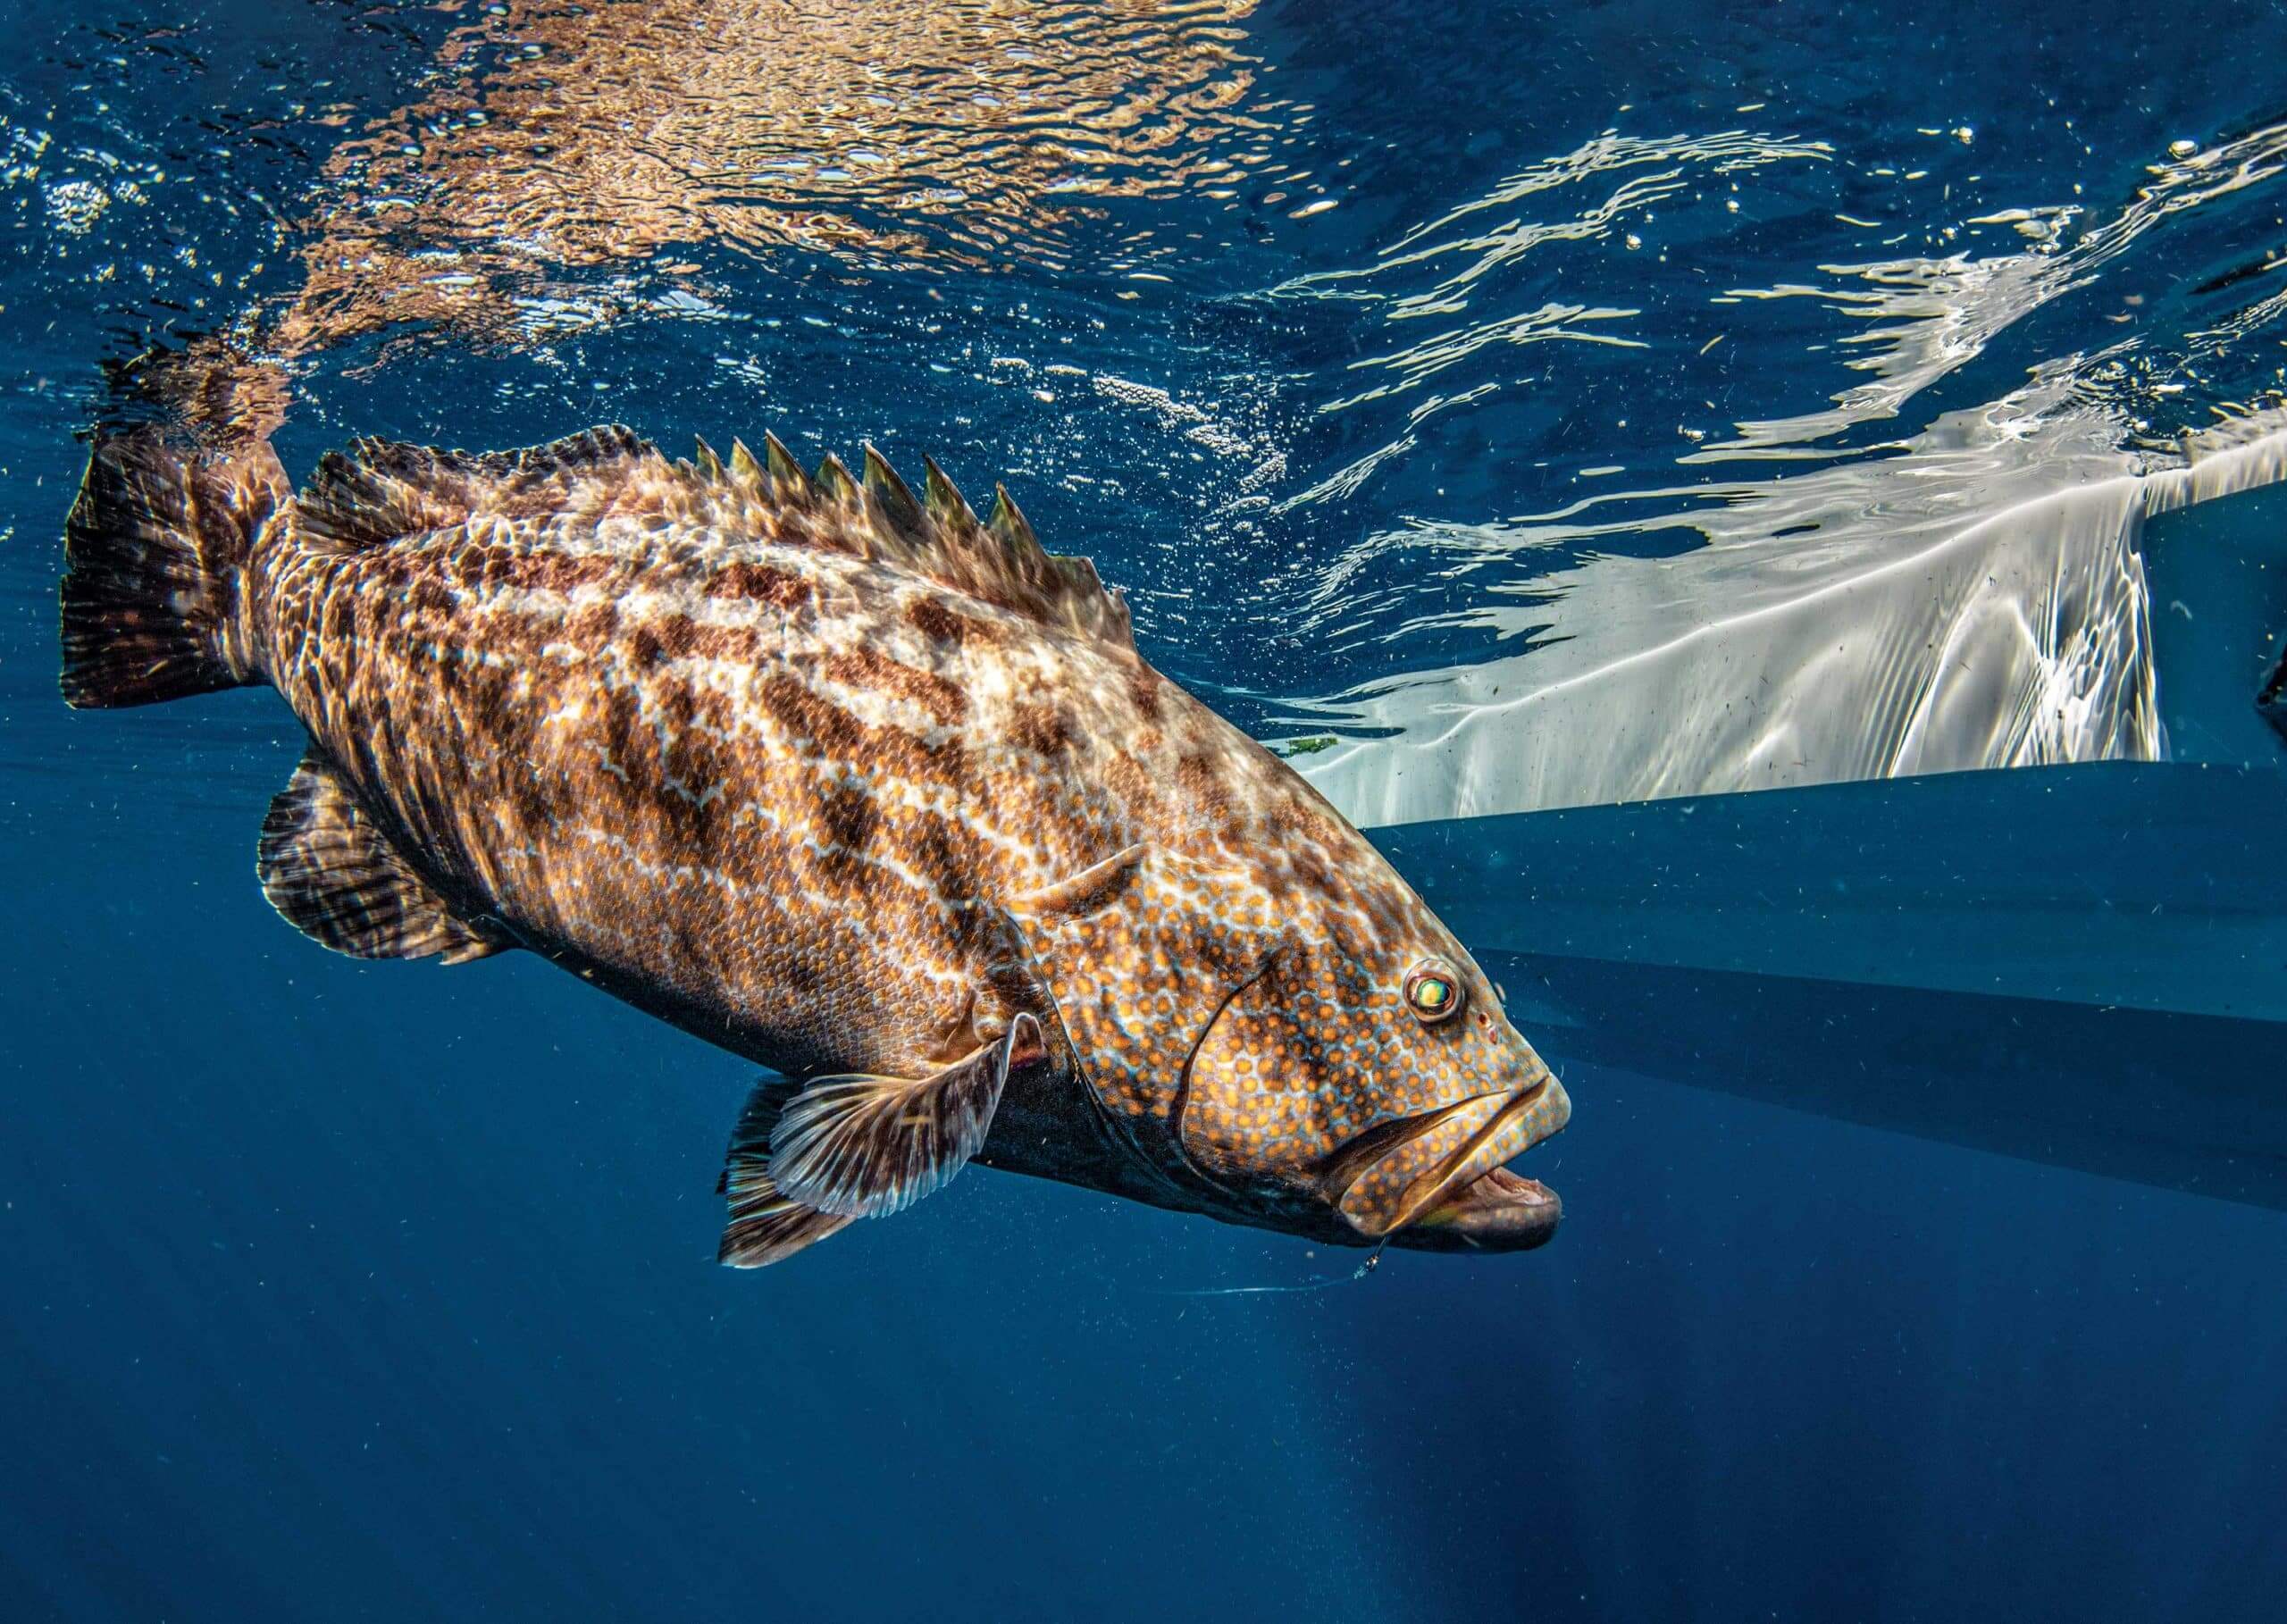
(999, 562)
(379, 489)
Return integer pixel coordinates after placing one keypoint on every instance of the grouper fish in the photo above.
(847, 781)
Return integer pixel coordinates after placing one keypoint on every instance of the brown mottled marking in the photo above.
(941, 624)
(849, 817)
(1144, 692)
(495, 567)
(1039, 728)
(808, 718)
(863, 667)
(760, 583)
(1200, 780)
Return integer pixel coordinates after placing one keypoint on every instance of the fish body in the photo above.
(847, 781)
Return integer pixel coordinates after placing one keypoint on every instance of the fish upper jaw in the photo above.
(1442, 1187)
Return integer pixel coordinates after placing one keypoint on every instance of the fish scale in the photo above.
(845, 780)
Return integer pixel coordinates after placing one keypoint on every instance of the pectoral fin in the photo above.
(863, 1146)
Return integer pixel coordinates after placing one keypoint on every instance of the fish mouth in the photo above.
(1437, 1182)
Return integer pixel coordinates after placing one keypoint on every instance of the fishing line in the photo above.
(1373, 1261)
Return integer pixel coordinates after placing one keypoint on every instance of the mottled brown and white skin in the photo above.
(847, 782)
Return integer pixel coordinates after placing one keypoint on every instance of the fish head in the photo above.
(1380, 1078)
(1318, 1056)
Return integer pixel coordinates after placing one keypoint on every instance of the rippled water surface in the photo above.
(1513, 414)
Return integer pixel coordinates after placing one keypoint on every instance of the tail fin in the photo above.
(155, 544)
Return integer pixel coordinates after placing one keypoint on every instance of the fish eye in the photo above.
(1433, 991)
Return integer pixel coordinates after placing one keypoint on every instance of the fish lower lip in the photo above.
(1496, 1212)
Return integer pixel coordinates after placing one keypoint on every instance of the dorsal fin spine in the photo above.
(945, 503)
(892, 495)
(1008, 522)
(833, 481)
(786, 474)
(745, 472)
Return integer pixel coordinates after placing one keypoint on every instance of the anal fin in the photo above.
(766, 1225)
(337, 878)
(865, 1146)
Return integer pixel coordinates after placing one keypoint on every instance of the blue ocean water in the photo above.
(1926, 1192)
